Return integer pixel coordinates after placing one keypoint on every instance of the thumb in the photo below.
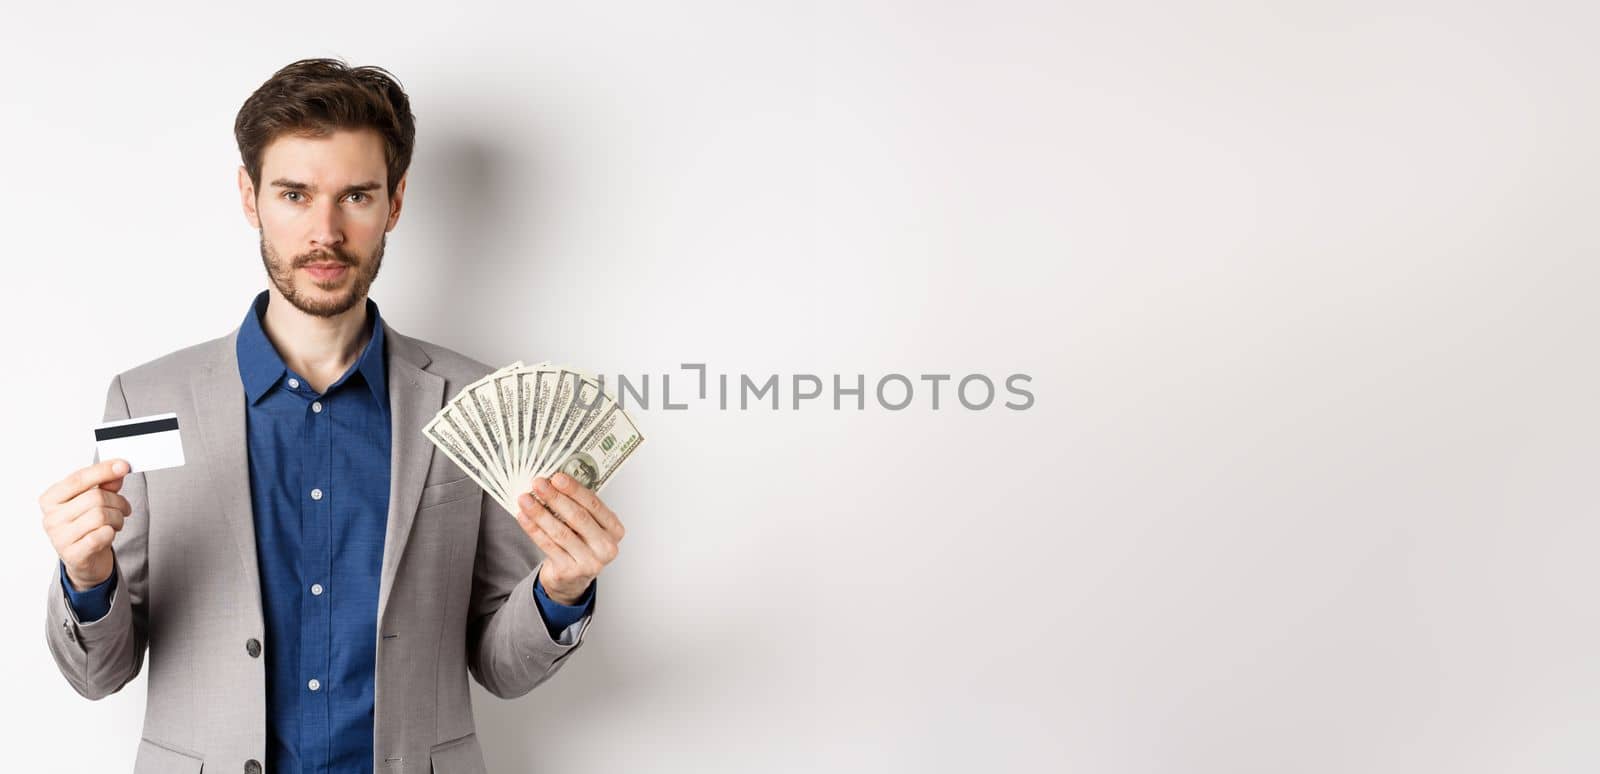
(119, 468)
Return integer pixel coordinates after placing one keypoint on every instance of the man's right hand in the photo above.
(82, 513)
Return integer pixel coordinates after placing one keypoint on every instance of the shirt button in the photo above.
(316, 589)
(253, 647)
(316, 407)
(314, 684)
(316, 494)
(293, 383)
(252, 766)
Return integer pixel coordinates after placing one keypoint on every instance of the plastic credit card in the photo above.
(147, 443)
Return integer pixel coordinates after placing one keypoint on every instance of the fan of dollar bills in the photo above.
(524, 421)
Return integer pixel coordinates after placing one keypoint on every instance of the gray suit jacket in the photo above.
(455, 596)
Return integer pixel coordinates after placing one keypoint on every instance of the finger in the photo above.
(100, 497)
(553, 552)
(592, 503)
(579, 519)
(582, 555)
(529, 512)
(87, 501)
(105, 514)
(529, 509)
(94, 542)
(114, 485)
(80, 480)
(75, 531)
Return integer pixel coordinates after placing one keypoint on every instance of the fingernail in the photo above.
(560, 478)
(119, 467)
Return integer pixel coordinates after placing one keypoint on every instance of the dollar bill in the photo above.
(471, 421)
(562, 391)
(439, 432)
(609, 443)
(523, 421)
(585, 397)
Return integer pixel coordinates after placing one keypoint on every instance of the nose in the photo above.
(327, 225)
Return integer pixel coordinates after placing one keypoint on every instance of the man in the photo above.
(316, 584)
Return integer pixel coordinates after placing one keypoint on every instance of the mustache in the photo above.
(330, 256)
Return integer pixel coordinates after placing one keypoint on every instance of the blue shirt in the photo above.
(319, 486)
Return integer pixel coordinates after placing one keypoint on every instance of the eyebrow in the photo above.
(296, 185)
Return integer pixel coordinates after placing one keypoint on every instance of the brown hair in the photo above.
(314, 97)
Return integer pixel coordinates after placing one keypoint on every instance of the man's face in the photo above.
(323, 212)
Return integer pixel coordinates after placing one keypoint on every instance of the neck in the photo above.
(320, 349)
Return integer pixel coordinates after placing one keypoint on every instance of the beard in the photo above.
(283, 275)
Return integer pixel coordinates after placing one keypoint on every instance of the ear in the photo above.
(396, 202)
(247, 199)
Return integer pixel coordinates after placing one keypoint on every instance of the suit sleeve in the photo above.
(510, 650)
(100, 656)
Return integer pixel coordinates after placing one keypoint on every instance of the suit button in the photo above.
(253, 647)
(252, 766)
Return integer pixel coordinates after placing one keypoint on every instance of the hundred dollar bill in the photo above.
(561, 385)
(439, 432)
(590, 405)
(609, 443)
(479, 409)
(500, 404)
(585, 394)
(483, 407)
(471, 425)
(510, 408)
(525, 387)
(509, 391)
(456, 421)
(527, 392)
(527, 420)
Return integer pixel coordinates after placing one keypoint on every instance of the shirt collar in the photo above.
(261, 367)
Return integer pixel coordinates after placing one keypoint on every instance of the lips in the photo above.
(325, 271)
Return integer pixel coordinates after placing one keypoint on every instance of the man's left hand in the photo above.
(576, 531)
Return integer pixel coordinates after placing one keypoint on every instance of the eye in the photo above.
(359, 196)
(287, 194)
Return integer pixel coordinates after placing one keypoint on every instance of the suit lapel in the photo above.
(219, 406)
(415, 395)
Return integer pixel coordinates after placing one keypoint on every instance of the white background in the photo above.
(1307, 291)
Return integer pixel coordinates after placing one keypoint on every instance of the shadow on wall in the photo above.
(475, 196)
(470, 190)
